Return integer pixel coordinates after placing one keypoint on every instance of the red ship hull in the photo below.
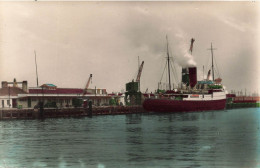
(167, 105)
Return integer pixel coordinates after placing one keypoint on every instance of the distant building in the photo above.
(62, 97)
(9, 92)
(17, 95)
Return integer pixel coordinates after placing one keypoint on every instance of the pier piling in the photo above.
(90, 108)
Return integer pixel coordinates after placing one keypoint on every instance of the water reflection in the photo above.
(187, 116)
(134, 138)
(133, 119)
(203, 139)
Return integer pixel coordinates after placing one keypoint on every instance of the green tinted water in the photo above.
(203, 139)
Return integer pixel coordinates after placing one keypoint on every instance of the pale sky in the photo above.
(74, 39)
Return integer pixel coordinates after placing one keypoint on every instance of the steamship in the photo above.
(192, 95)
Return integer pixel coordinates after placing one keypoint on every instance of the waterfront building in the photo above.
(18, 95)
(9, 92)
(52, 96)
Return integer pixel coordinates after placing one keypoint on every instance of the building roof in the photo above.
(56, 91)
(14, 91)
(52, 85)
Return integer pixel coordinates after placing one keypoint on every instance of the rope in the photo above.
(163, 72)
(174, 73)
(217, 70)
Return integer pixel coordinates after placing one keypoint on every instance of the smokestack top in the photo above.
(25, 86)
(4, 84)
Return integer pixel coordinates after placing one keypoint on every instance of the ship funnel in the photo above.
(185, 76)
(193, 76)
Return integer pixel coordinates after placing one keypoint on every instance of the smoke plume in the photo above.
(182, 55)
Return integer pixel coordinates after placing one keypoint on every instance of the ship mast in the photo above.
(168, 60)
(212, 66)
(36, 69)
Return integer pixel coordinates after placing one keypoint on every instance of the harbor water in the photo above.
(228, 138)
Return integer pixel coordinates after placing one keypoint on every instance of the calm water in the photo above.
(203, 139)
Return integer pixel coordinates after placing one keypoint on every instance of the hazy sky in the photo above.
(74, 39)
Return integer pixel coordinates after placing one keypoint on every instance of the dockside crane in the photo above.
(133, 96)
(87, 85)
(139, 75)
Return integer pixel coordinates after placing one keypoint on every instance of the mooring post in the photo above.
(85, 107)
(90, 108)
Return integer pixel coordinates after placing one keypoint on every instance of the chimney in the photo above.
(25, 86)
(104, 91)
(4, 84)
(193, 76)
